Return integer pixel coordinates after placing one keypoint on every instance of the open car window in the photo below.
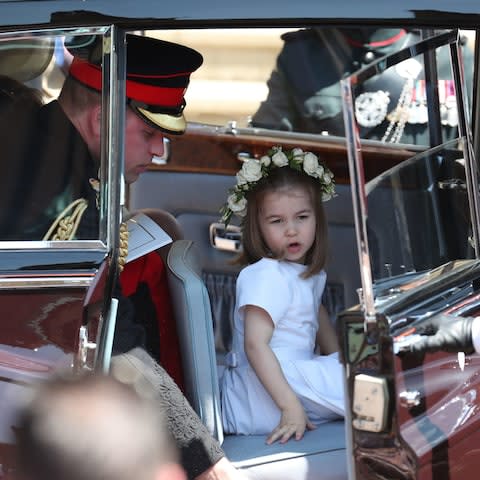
(417, 215)
(293, 82)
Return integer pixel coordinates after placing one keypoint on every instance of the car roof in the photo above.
(145, 13)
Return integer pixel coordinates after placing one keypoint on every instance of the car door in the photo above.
(57, 313)
(412, 415)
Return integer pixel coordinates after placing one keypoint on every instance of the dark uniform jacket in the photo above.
(304, 89)
(45, 165)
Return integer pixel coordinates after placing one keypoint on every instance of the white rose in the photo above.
(310, 163)
(327, 180)
(241, 213)
(236, 206)
(241, 179)
(297, 152)
(320, 171)
(266, 160)
(280, 159)
(326, 197)
(251, 170)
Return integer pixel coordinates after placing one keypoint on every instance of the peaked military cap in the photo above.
(158, 73)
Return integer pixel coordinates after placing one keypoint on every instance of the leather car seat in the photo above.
(191, 305)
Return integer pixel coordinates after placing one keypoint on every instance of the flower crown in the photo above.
(253, 170)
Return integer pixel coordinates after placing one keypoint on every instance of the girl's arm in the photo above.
(258, 332)
(326, 337)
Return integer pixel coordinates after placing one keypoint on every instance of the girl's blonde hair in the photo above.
(254, 246)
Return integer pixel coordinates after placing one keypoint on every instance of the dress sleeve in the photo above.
(266, 287)
(320, 282)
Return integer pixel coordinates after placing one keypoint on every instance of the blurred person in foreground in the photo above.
(94, 427)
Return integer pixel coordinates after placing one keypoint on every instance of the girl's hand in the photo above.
(293, 421)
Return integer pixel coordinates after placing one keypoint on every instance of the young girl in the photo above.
(283, 376)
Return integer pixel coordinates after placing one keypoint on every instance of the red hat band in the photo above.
(91, 75)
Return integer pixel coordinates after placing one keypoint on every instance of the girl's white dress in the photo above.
(293, 304)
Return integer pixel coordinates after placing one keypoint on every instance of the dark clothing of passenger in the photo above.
(144, 281)
(45, 166)
(304, 88)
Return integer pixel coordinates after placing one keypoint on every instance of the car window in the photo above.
(416, 216)
(43, 198)
(288, 79)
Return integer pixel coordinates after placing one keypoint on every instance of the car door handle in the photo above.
(227, 238)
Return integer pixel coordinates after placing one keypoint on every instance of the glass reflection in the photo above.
(47, 170)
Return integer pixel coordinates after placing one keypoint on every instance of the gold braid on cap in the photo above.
(66, 224)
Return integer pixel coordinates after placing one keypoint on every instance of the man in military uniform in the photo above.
(304, 90)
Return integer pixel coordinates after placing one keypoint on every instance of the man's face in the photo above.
(142, 142)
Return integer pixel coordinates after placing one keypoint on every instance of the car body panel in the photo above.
(64, 12)
(43, 313)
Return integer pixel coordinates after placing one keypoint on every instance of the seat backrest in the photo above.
(343, 271)
(165, 220)
(168, 223)
(193, 314)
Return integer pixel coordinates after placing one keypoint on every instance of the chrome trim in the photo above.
(253, 132)
(476, 97)
(45, 282)
(359, 199)
(348, 424)
(39, 32)
(114, 94)
(49, 245)
(84, 346)
(165, 158)
(228, 239)
(410, 398)
(108, 327)
(471, 169)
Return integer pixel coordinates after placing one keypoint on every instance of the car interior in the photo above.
(322, 450)
(202, 283)
(183, 193)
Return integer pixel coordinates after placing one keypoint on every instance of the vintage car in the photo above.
(397, 124)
